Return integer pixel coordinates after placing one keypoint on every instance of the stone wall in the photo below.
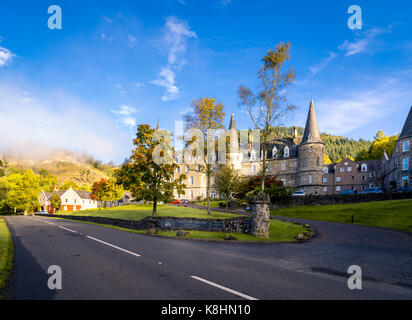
(342, 199)
(234, 225)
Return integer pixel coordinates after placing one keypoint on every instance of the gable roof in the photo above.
(407, 128)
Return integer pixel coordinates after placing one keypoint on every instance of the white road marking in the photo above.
(237, 293)
(113, 246)
(67, 229)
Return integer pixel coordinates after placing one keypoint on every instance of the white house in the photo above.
(71, 200)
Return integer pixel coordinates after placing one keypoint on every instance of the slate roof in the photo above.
(311, 129)
(407, 128)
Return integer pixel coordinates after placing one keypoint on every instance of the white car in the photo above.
(42, 212)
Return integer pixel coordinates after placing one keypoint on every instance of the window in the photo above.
(268, 168)
(191, 194)
(213, 194)
(253, 168)
(304, 162)
(310, 179)
(199, 167)
(65, 208)
(364, 167)
(325, 170)
(178, 170)
(342, 169)
(213, 181)
(352, 188)
(67, 200)
(310, 149)
(191, 181)
(325, 189)
(338, 179)
(274, 153)
(405, 164)
(353, 178)
(286, 152)
(187, 168)
(325, 180)
(363, 178)
(213, 168)
(283, 181)
(405, 182)
(316, 191)
(338, 188)
(283, 166)
(405, 146)
(349, 169)
(253, 155)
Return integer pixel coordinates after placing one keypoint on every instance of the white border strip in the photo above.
(113, 246)
(67, 229)
(237, 293)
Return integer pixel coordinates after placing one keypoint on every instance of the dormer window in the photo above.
(405, 146)
(286, 152)
(274, 152)
(364, 167)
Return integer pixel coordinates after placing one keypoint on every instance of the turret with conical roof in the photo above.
(407, 128)
(403, 155)
(311, 156)
(312, 133)
(232, 122)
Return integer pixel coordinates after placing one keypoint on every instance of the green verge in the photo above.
(138, 212)
(6, 254)
(394, 214)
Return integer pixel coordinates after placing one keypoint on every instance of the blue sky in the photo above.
(116, 64)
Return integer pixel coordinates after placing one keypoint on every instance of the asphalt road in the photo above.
(103, 263)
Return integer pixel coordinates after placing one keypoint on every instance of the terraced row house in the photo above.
(299, 162)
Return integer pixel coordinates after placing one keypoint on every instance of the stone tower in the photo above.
(310, 156)
(235, 158)
(403, 155)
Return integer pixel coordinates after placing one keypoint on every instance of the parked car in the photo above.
(406, 189)
(346, 192)
(177, 201)
(185, 201)
(372, 190)
(41, 212)
(299, 193)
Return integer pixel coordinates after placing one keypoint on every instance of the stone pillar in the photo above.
(261, 216)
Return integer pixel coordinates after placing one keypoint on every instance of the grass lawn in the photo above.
(6, 253)
(394, 214)
(138, 212)
(279, 231)
(213, 204)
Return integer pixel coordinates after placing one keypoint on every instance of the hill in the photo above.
(336, 147)
(67, 166)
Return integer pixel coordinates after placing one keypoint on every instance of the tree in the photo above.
(269, 105)
(146, 177)
(207, 114)
(55, 202)
(227, 182)
(381, 144)
(107, 191)
(23, 192)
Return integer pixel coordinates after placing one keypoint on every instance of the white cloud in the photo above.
(166, 79)
(108, 20)
(358, 108)
(321, 65)
(363, 44)
(175, 40)
(132, 40)
(225, 3)
(125, 116)
(6, 56)
(58, 120)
